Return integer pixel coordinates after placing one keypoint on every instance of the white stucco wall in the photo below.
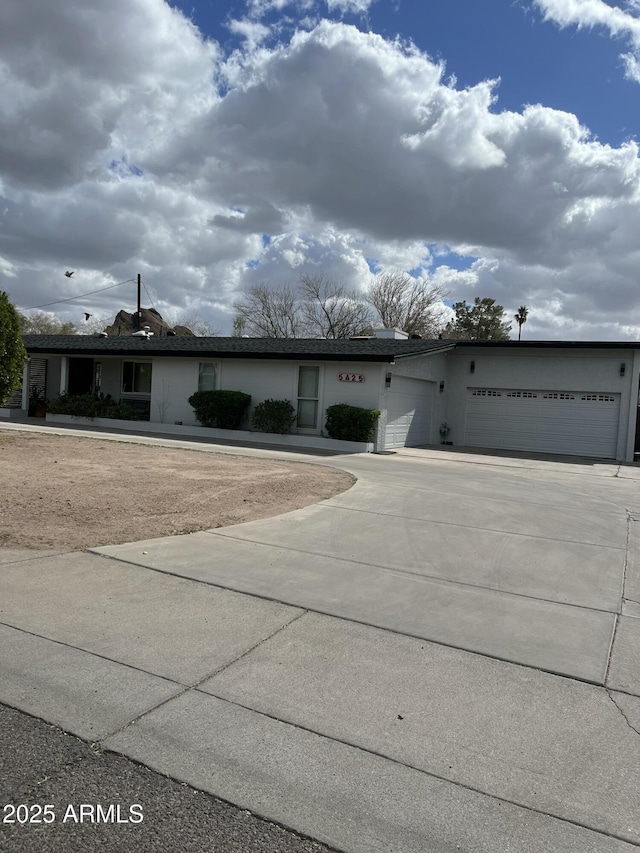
(111, 376)
(542, 370)
(433, 368)
(364, 394)
(175, 379)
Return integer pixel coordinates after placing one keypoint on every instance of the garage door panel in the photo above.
(408, 412)
(552, 422)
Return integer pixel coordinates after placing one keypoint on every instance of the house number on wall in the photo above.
(351, 377)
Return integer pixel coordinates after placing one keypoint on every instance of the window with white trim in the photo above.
(136, 377)
(308, 396)
(207, 376)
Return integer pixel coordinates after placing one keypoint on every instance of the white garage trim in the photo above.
(409, 403)
(572, 422)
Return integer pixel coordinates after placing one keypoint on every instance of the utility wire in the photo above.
(148, 294)
(80, 295)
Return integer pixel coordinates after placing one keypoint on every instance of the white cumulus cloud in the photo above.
(129, 143)
(620, 22)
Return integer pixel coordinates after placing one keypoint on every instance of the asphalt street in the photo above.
(42, 765)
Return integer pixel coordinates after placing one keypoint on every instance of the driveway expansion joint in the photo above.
(616, 508)
(430, 774)
(190, 687)
(459, 524)
(597, 682)
(393, 570)
(248, 651)
(93, 654)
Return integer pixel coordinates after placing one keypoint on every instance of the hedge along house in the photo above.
(553, 397)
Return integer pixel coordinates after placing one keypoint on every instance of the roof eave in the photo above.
(149, 353)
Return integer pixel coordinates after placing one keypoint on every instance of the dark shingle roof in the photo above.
(548, 344)
(369, 349)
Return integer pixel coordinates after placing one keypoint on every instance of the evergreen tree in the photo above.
(482, 321)
(12, 352)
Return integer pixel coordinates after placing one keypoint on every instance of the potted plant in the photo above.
(37, 403)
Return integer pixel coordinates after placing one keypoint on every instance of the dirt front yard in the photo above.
(65, 492)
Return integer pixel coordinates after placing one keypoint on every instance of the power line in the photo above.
(148, 294)
(80, 295)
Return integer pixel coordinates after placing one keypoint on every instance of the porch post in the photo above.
(64, 374)
(381, 429)
(25, 387)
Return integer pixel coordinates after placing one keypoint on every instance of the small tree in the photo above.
(521, 318)
(403, 302)
(41, 323)
(482, 321)
(12, 352)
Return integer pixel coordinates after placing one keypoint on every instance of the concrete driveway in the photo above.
(516, 559)
(443, 658)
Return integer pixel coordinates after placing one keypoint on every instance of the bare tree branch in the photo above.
(330, 310)
(192, 321)
(403, 302)
(43, 323)
(265, 312)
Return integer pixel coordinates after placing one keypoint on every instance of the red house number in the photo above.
(350, 377)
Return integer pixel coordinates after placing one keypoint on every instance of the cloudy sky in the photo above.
(213, 144)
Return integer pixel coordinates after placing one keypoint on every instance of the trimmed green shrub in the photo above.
(351, 423)
(273, 416)
(93, 406)
(221, 409)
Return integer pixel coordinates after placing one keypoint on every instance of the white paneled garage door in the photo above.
(571, 422)
(408, 412)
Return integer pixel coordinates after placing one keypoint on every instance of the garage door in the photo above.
(408, 412)
(545, 421)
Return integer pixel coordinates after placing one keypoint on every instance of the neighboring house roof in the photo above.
(300, 349)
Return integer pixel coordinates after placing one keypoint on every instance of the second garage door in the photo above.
(573, 422)
(408, 412)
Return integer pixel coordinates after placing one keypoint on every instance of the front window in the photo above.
(308, 385)
(136, 377)
(206, 376)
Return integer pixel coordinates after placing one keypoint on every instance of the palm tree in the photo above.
(521, 318)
